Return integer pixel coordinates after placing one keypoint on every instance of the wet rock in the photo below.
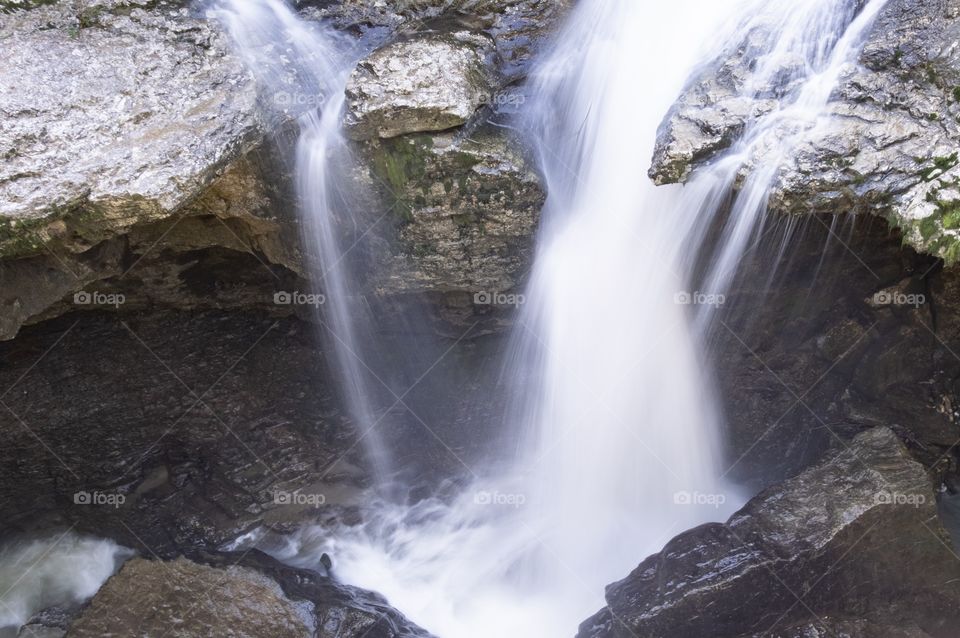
(339, 611)
(237, 594)
(151, 597)
(174, 431)
(889, 147)
(171, 431)
(128, 120)
(423, 84)
(518, 28)
(49, 623)
(804, 354)
(116, 115)
(143, 218)
(467, 209)
(240, 217)
(854, 537)
(827, 626)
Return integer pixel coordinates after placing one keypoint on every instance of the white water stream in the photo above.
(302, 68)
(618, 435)
(60, 570)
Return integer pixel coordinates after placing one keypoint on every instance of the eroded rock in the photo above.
(424, 84)
(152, 597)
(889, 147)
(854, 537)
(112, 115)
(467, 210)
(236, 594)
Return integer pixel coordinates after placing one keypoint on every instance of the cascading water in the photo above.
(799, 50)
(303, 68)
(619, 430)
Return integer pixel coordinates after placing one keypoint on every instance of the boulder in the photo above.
(853, 538)
(235, 594)
(430, 83)
(154, 597)
(128, 186)
(122, 120)
(112, 115)
(519, 29)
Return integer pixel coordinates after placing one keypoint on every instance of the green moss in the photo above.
(940, 165)
(399, 162)
(410, 167)
(956, 93)
(90, 17)
(25, 237)
(951, 215)
(9, 6)
(856, 177)
(952, 252)
(928, 228)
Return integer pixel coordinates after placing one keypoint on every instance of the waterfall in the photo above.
(799, 47)
(302, 69)
(617, 425)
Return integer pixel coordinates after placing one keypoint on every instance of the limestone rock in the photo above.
(889, 147)
(467, 211)
(425, 84)
(112, 114)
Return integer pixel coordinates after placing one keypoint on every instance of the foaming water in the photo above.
(60, 570)
(612, 445)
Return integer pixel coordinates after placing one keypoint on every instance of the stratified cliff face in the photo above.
(134, 141)
(888, 146)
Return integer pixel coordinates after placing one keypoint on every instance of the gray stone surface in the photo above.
(428, 83)
(467, 210)
(113, 113)
(890, 147)
(152, 598)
